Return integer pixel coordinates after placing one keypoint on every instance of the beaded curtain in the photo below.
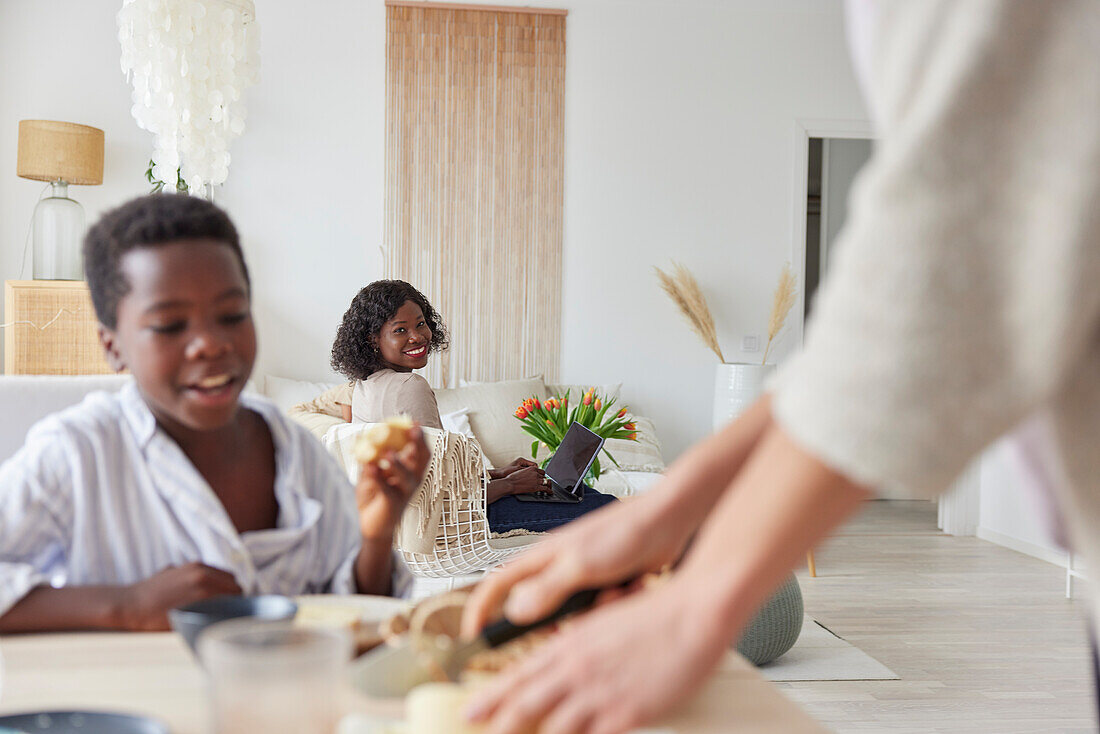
(474, 175)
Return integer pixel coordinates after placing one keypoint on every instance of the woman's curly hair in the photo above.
(355, 352)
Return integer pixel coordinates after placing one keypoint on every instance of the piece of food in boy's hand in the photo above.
(392, 435)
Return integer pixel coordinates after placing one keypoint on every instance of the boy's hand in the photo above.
(385, 486)
(145, 604)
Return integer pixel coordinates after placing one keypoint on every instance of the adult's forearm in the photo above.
(783, 503)
(46, 609)
(495, 489)
(374, 566)
(701, 475)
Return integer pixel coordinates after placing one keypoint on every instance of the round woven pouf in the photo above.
(776, 626)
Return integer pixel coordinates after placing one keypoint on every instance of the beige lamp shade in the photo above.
(51, 151)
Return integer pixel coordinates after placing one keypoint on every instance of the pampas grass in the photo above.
(684, 291)
(781, 306)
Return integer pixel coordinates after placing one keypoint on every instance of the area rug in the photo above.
(821, 655)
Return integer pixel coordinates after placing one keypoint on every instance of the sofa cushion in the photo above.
(643, 455)
(626, 483)
(491, 408)
(316, 423)
(287, 393)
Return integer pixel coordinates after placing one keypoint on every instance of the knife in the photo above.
(394, 670)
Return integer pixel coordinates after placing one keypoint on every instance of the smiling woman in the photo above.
(387, 332)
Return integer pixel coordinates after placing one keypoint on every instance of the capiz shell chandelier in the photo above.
(189, 63)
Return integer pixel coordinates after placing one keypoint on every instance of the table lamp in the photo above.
(61, 153)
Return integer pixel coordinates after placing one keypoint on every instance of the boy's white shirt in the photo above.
(100, 495)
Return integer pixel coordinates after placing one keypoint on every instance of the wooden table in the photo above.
(155, 674)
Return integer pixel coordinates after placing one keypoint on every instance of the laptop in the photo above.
(566, 469)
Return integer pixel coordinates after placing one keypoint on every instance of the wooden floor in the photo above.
(982, 637)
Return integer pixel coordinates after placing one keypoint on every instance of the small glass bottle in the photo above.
(58, 236)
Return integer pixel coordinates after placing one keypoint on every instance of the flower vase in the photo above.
(736, 387)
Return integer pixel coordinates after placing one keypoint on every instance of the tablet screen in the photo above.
(574, 456)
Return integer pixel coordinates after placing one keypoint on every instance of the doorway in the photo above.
(832, 167)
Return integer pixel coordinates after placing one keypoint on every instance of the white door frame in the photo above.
(803, 131)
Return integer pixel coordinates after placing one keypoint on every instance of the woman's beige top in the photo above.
(387, 393)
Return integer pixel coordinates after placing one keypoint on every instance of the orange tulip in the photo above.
(629, 426)
(549, 422)
(622, 413)
(521, 413)
(587, 398)
(537, 404)
(632, 437)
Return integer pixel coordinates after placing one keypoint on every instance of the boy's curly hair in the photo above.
(148, 221)
(355, 352)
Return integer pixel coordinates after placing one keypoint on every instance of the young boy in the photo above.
(180, 487)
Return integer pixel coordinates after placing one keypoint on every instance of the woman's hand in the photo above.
(610, 670)
(603, 548)
(386, 485)
(526, 480)
(145, 605)
(514, 466)
(519, 481)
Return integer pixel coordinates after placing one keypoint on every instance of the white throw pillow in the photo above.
(317, 423)
(459, 422)
(491, 407)
(626, 483)
(286, 393)
(643, 455)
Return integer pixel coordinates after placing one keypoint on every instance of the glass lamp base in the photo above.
(58, 236)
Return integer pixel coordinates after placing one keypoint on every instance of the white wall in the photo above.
(1012, 513)
(680, 119)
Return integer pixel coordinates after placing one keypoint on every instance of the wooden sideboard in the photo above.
(51, 329)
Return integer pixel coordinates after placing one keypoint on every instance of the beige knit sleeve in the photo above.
(965, 289)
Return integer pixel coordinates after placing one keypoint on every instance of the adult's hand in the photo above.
(639, 655)
(595, 677)
(624, 539)
(145, 604)
(603, 548)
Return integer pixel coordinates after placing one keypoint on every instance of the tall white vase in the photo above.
(736, 387)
